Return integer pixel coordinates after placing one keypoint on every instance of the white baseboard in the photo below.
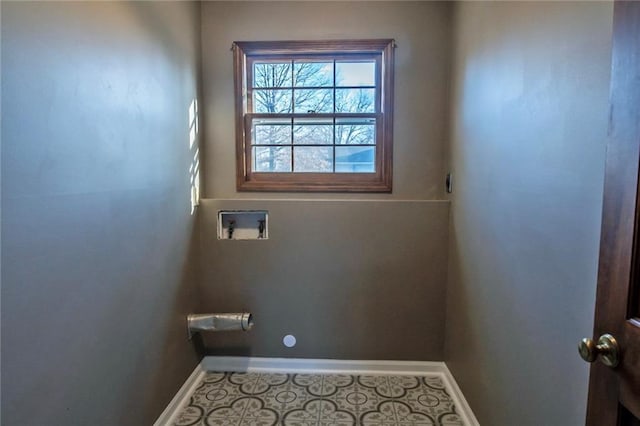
(181, 399)
(318, 366)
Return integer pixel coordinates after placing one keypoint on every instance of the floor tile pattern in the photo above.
(254, 399)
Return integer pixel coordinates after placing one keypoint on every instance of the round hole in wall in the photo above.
(289, 340)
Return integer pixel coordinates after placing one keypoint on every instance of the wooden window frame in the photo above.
(382, 50)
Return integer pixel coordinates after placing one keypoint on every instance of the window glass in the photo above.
(272, 101)
(313, 74)
(313, 159)
(271, 74)
(272, 158)
(356, 73)
(313, 131)
(355, 159)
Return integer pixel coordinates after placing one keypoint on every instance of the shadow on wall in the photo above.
(168, 372)
(173, 340)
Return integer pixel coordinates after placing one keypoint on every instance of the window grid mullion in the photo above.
(312, 87)
(292, 119)
(320, 145)
(334, 116)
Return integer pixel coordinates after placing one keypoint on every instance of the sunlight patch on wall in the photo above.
(194, 167)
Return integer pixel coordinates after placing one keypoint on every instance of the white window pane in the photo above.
(272, 74)
(313, 131)
(269, 131)
(310, 101)
(355, 159)
(355, 73)
(271, 158)
(272, 101)
(313, 159)
(355, 100)
(313, 74)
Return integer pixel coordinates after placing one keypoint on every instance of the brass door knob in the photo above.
(607, 348)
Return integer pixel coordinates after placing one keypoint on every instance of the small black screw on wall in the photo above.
(232, 225)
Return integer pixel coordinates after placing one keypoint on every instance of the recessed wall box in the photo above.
(243, 225)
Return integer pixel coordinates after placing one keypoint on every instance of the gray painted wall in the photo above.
(97, 247)
(351, 279)
(422, 31)
(530, 110)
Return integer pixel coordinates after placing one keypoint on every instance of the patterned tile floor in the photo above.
(319, 400)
